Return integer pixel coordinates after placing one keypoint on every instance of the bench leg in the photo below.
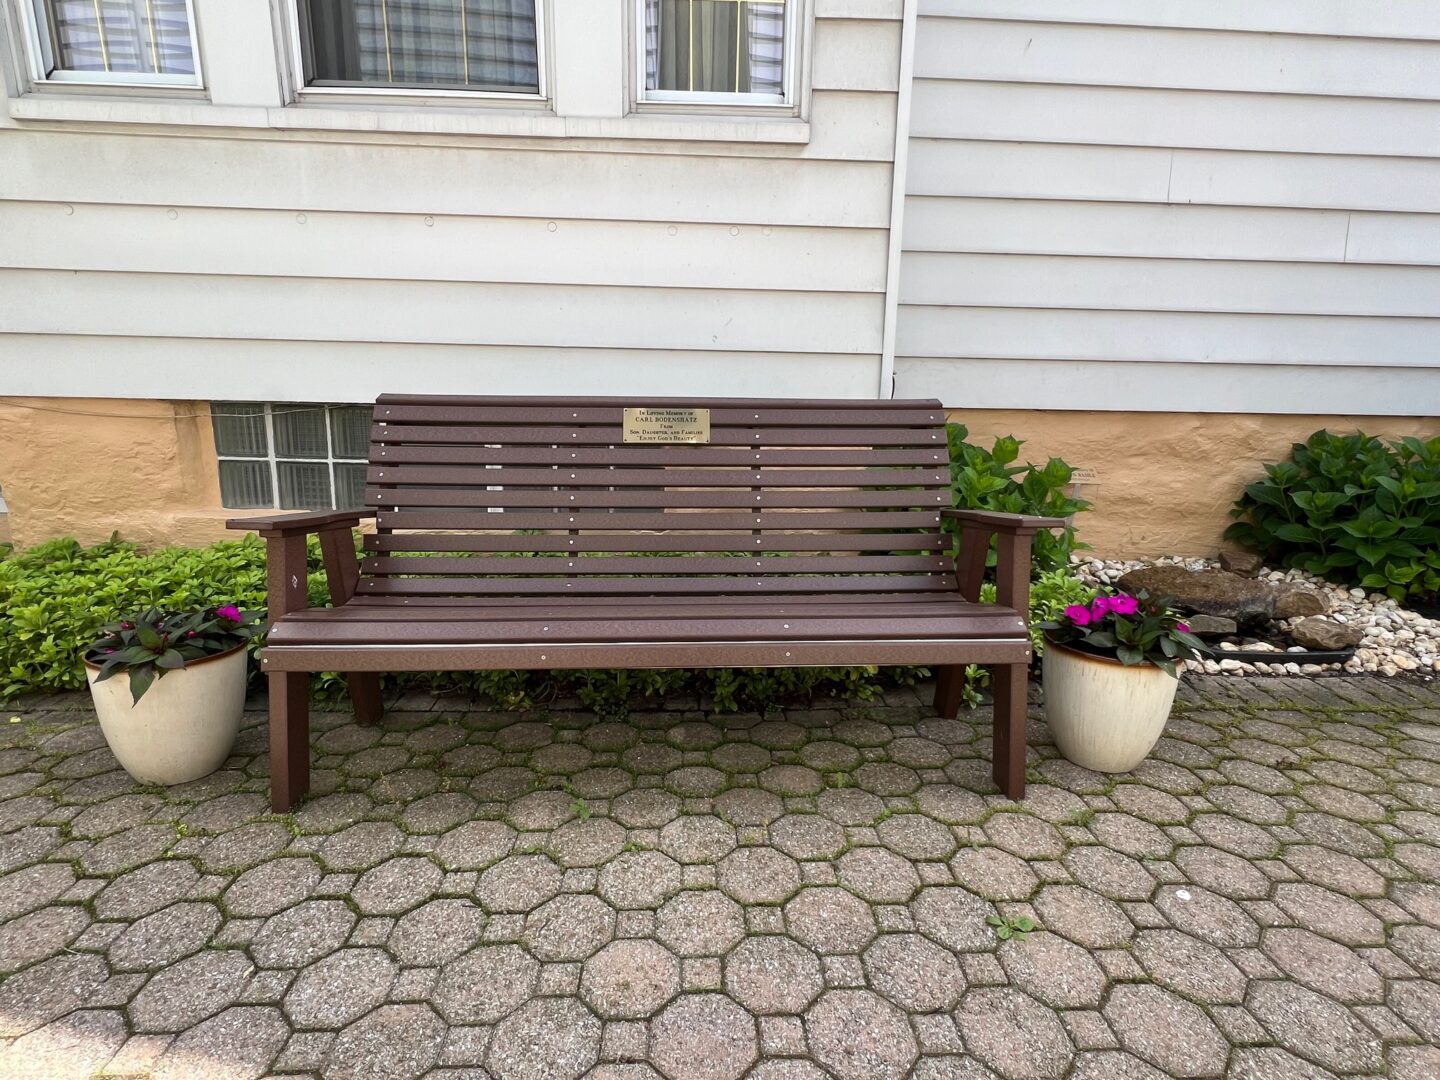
(364, 687)
(289, 739)
(1009, 687)
(949, 690)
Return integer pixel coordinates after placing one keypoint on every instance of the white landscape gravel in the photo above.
(1396, 641)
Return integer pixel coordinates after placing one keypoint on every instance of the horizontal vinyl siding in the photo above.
(286, 266)
(1174, 206)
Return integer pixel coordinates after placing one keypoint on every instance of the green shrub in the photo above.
(1352, 509)
(983, 479)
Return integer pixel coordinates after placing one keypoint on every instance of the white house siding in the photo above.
(1174, 205)
(188, 262)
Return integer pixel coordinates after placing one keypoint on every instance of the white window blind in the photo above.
(714, 47)
(116, 38)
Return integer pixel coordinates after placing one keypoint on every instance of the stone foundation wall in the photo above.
(87, 467)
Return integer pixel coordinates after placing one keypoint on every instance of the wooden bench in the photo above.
(527, 533)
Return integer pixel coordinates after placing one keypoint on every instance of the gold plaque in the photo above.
(667, 425)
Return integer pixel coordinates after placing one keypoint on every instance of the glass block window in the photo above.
(291, 457)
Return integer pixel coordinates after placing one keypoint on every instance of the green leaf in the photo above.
(148, 637)
(1025, 923)
(140, 680)
(170, 660)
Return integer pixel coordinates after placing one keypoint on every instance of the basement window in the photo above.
(291, 457)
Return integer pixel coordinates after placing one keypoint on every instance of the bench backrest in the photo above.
(787, 497)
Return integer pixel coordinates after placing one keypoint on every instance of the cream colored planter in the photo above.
(183, 727)
(1104, 716)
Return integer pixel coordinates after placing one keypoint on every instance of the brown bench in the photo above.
(545, 533)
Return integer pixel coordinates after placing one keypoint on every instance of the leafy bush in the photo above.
(983, 479)
(1352, 509)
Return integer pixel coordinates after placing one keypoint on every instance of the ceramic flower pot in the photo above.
(1104, 716)
(183, 727)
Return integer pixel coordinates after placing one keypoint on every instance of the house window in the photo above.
(721, 51)
(115, 41)
(291, 457)
(477, 45)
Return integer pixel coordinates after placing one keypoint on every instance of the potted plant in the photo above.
(1110, 678)
(169, 689)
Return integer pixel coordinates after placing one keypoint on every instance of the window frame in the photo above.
(272, 460)
(406, 95)
(790, 62)
(39, 55)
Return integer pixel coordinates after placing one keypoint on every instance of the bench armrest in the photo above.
(301, 524)
(1013, 535)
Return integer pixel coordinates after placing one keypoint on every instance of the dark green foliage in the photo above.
(1135, 629)
(1352, 509)
(991, 480)
(152, 642)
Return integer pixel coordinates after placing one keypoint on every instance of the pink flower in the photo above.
(1184, 628)
(1124, 605)
(1100, 607)
(1079, 614)
(189, 633)
(230, 613)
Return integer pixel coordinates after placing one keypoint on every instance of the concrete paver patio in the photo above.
(697, 896)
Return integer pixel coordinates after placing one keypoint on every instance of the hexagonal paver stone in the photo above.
(1322, 965)
(475, 845)
(158, 940)
(1334, 870)
(701, 922)
(916, 836)
(437, 932)
(1083, 917)
(887, 779)
(340, 988)
(1053, 970)
(1190, 966)
(239, 1043)
(242, 848)
(40, 934)
(1207, 916)
(569, 928)
(749, 806)
(398, 1042)
(698, 838)
(1166, 1030)
(1130, 835)
(1413, 1062)
(187, 992)
(35, 886)
(703, 1037)
(826, 755)
(994, 874)
(639, 879)
(587, 843)
(773, 974)
(1419, 1004)
(696, 781)
(629, 980)
(808, 836)
(519, 883)
(32, 998)
(131, 848)
(362, 845)
(951, 805)
(792, 780)
(1110, 873)
(272, 887)
(850, 806)
(1420, 947)
(759, 875)
(436, 813)
(483, 986)
(547, 1039)
(1223, 873)
(1024, 836)
(830, 920)
(1272, 1063)
(879, 875)
(914, 973)
(647, 808)
(1314, 1027)
(76, 1045)
(1014, 1034)
(1330, 914)
(858, 1035)
(954, 918)
(1421, 899)
(787, 1069)
(1116, 1065)
(302, 934)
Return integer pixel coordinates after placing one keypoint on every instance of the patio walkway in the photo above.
(798, 895)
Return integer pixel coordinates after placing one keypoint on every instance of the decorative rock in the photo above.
(1299, 601)
(1212, 626)
(1240, 562)
(1318, 633)
(1205, 592)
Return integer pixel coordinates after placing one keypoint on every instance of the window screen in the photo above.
(421, 44)
(291, 457)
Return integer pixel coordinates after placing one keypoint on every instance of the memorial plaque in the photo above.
(667, 425)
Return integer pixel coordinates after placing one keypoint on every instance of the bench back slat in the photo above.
(793, 497)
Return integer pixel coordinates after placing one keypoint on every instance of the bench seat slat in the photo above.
(613, 434)
(634, 454)
(659, 519)
(720, 415)
(659, 564)
(627, 541)
(650, 477)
